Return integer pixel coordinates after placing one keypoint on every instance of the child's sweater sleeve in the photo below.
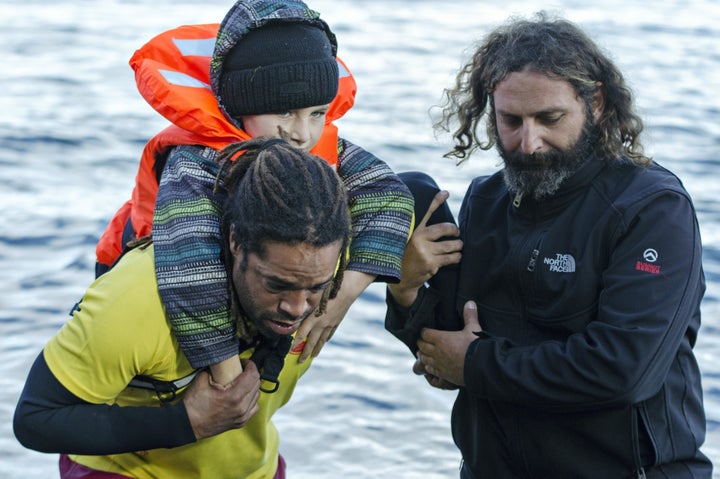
(381, 208)
(191, 275)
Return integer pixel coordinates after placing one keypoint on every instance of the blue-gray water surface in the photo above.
(72, 127)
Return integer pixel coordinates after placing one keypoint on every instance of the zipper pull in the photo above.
(641, 474)
(517, 200)
(533, 260)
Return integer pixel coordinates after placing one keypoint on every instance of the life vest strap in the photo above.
(166, 391)
(269, 356)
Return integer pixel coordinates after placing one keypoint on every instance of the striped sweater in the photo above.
(191, 274)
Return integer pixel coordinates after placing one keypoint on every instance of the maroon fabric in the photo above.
(72, 470)
(280, 473)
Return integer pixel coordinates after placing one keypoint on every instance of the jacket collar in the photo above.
(572, 188)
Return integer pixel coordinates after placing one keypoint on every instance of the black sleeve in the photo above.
(406, 324)
(435, 305)
(51, 419)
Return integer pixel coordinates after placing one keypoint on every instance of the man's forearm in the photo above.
(49, 418)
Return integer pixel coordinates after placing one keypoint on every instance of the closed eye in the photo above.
(511, 120)
(276, 287)
(320, 288)
(550, 119)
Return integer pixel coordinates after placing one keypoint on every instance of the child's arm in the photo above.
(225, 371)
(191, 274)
(381, 208)
(317, 330)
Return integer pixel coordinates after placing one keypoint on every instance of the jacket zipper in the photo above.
(517, 200)
(636, 443)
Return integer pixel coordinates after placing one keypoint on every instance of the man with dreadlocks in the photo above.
(113, 381)
(580, 280)
(269, 69)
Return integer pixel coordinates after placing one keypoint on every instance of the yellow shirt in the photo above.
(121, 331)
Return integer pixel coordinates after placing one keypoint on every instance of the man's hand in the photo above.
(425, 253)
(213, 409)
(434, 381)
(442, 353)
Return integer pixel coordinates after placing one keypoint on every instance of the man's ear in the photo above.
(597, 103)
(235, 248)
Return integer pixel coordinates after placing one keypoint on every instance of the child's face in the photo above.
(301, 128)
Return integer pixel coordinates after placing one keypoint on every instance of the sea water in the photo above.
(72, 127)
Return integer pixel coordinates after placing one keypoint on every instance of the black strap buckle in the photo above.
(166, 391)
(269, 357)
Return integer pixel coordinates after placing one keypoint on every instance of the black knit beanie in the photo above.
(279, 67)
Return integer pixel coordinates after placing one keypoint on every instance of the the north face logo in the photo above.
(561, 263)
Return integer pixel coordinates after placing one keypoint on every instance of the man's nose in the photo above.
(531, 140)
(294, 304)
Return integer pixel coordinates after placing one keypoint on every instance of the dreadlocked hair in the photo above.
(276, 192)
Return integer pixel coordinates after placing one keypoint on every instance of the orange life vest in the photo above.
(172, 72)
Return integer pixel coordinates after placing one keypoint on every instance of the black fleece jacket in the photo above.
(589, 303)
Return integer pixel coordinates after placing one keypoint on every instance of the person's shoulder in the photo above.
(134, 271)
(193, 154)
(354, 159)
(348, 148)
(192, 164)
(657, 171)
(130, 290)
(630, 187)
(487, 185)
(654, 177)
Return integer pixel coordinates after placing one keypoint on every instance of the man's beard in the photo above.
(257, 319)
(540, 175)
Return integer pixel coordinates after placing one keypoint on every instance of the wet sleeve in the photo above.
(407, 323)
(49, 418)
(433, 307)
(381, 208)
(191, 274)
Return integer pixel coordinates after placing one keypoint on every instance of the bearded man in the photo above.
(568, 320)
